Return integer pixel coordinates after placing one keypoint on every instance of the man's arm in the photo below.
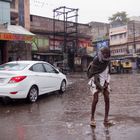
(97, 82)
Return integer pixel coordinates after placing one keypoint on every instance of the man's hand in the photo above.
(106, 85)
(97, 83)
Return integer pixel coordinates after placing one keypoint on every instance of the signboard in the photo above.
(56, 45)
(85, 43)
(9, 36)
(101, 44)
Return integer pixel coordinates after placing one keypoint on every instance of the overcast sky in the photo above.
(89, 10)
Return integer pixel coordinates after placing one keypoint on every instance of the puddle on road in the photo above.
(116, 132)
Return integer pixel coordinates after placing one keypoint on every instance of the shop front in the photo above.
(15, 41)
(83, 54)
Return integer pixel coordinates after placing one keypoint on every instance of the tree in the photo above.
(119, 17)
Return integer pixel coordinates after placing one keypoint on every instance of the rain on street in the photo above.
(67, 116)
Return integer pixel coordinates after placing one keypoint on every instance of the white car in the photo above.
(29, 79)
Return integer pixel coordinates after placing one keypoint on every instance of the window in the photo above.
(124, 35)
(38, 68)
(121, 35)
(13, 67)
(113, 37)
(13, 4)
(31, 18)
(42, 42)
(4, 12)
(49, 68)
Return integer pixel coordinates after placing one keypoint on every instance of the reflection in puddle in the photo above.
(96, 134)
(107, 135)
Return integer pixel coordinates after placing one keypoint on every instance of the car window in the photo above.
(38, 68)
(50, 69)
(13, 66)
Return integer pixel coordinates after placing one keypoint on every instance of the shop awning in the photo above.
(14, 32)
(52, 54)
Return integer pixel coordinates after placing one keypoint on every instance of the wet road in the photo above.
(67, 116)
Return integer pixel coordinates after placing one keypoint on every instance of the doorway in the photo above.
(2, 52)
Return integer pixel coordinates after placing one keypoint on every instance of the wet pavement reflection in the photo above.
(67, 116)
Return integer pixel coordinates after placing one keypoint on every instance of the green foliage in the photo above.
(120, 17)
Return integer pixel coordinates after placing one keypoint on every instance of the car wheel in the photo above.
(33, 94)
(62, 87)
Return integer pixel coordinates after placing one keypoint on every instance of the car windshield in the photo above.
(13, 67)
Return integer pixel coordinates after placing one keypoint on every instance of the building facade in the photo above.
(124, 40)
(4, 21)
(15, 38)
(50, 48)
(118, 41)
(20, 13)
(100, 34)
(44, 45)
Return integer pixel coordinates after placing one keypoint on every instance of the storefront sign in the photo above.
(56, 45)
(85, 43)
(4, 36)
(102, 44)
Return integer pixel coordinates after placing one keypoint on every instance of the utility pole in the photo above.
(69, 32)
(134, 37)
